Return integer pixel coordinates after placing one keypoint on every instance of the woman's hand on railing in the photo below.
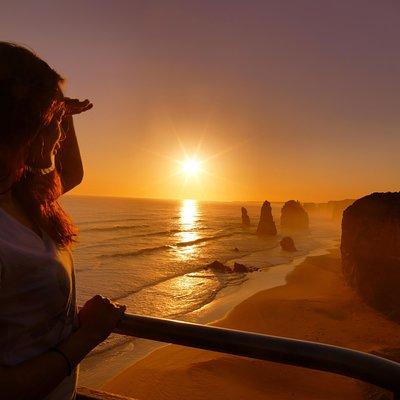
(98, 317)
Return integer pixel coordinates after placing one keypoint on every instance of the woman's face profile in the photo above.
(47, 143)
(48, 140)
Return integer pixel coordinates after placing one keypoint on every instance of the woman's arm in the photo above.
(68, 158)
(37, 377)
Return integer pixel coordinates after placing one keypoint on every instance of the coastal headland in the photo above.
(315, 304)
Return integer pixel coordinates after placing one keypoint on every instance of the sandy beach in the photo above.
(315, 304)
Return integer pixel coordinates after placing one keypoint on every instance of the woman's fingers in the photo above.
(108, 301)
(77, 109)
(75, 106)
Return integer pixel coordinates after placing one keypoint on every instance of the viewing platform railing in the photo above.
(355, 364)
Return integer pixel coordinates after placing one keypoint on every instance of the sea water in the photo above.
(152, 256)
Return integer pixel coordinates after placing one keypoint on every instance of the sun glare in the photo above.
(191, 167)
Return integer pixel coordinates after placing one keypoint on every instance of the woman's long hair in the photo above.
(29, 99)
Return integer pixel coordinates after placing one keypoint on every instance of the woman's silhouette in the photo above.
(42, 337)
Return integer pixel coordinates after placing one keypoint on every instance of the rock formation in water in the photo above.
(237, 267)
(293, 216)
(218, 266)
(370, 249)
(287, 244)
(245, 217)
(266, 226)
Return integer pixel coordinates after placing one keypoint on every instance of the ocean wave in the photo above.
(145, 250)
(234, 281)
(202, 240)
(171, 232)
(148, 250)
(161, 233)
(114, 228)
(103, 221)
(226, 280)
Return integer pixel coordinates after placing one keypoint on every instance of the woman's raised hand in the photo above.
(98, 317)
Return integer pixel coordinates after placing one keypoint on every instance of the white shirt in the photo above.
(37, 297)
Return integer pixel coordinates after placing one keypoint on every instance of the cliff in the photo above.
(333, 209)
(370, 248)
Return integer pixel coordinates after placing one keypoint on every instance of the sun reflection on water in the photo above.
(188, 225)
(188, 214)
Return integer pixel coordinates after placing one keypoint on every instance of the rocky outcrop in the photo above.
(245, 217)
(293, 216)
(370, 249)
(218, 266)
(266, 225)
(287, 244)
(237, 267)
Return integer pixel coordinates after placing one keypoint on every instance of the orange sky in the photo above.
(289, 99)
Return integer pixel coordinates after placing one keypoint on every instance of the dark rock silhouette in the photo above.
(287, 244)
(218, 266)
(370, 250)
(236, 249)
(237, 267)
(245, 217)
(266, 226)
(293, 216)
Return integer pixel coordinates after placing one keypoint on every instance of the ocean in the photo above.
(151, 255)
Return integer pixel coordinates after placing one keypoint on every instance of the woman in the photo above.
(42, 337)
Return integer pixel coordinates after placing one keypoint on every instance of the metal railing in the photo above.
(84, 393)
(355, 364)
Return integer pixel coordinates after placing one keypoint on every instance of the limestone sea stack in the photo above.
(294, 216)
(370, 249)
(266, 225)
(287, 244)
(245, 217)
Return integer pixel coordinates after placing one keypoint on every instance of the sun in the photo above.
(191, 167)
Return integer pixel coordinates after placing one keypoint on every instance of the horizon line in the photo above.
(201, 200)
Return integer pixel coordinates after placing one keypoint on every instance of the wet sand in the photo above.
(315, 304)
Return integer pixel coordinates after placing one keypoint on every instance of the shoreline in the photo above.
(314, 304)
(115, 361)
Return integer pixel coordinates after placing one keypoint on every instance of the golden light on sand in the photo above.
(191, 167)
